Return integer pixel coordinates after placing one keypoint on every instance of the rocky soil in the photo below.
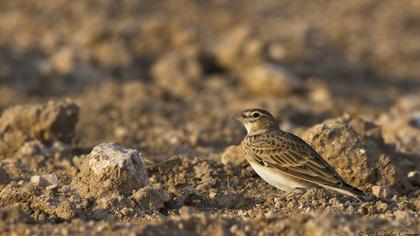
(116, 115)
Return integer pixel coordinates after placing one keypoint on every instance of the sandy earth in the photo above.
(162, 79)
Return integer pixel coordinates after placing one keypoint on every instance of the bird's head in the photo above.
(257, 121)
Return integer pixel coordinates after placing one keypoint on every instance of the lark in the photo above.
(285, 160)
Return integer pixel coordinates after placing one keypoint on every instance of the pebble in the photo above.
(45, 180)
(382, 192)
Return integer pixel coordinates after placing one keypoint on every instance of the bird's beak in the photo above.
(237, 116)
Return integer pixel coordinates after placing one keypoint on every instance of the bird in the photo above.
(286, 161)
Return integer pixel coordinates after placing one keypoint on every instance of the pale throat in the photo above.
(255, 128)
(248, 127)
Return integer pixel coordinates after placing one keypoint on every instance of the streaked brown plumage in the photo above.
(283, 159)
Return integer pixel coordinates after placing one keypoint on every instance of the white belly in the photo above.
(277, 180)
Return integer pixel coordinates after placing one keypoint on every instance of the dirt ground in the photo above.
(161, 81)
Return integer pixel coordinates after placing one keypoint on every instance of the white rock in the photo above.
(383, 192)
(413, 174)
(52, 179)
(45, 180)
(110, 155)
(122, 166)
(38, 180)
(414, 177)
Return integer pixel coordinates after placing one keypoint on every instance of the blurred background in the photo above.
(166, 76)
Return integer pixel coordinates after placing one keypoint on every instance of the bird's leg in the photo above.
(294, 192)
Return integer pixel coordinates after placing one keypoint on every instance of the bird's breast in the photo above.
(277, 179)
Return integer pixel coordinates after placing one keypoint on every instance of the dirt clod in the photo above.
(178, 71)
(54, 121)
(356, 149)
(401, 123)
(151, 197)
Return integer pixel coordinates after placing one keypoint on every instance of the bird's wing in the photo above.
(290, 154)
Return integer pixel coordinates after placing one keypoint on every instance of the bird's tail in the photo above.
(350, 191)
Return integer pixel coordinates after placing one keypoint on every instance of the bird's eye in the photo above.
(255, 115)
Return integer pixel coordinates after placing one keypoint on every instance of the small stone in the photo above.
(212, 194)
(269, 214)
(382, 192)
(290, 205)
(38, 180)
(50, 188)
(45, 180)
(126, 211)
(362, 210)
(414, 177)
(381, 206)
(52, 179)
(376, 190)
(413, 174)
